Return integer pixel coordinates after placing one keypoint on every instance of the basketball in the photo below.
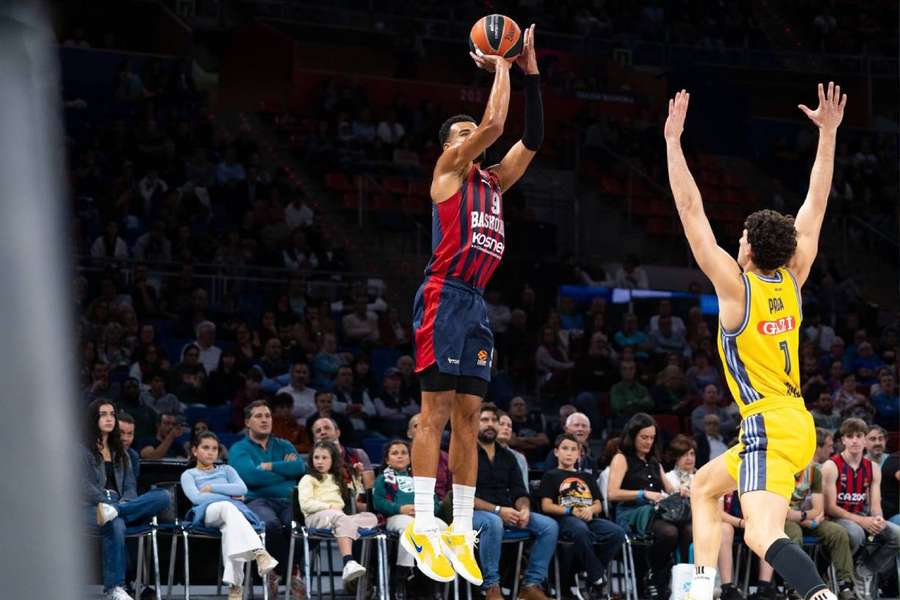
(497, 35)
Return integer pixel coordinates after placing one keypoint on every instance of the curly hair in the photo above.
(772, 238)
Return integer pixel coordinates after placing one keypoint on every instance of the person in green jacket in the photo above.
(394, 495)
(629, 397)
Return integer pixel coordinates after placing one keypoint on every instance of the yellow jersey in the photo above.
(760, 356)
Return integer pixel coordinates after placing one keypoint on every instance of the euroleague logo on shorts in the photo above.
(777, 326)
(482, 357)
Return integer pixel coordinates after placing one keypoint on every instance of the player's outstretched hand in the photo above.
(489, 62)
(527, 61)
(677, 112)
(830, 111)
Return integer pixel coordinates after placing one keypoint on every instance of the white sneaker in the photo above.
(118, 593)
(864, 581)
(264, 562)
(105, 514)
(235, 592)
(352, 571)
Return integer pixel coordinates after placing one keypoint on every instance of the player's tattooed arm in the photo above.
(827, 117)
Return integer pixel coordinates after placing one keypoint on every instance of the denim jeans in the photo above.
(544, 529)
(133, 512)
(276, 513)
(596, 543)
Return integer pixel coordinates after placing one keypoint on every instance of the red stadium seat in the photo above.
(339, 182)
(395, 185)
(670, 423)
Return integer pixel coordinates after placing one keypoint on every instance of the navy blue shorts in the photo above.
(451, 329)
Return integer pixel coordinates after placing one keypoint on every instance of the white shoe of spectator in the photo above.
(105, 514)
(264, 562)
(118, 593)
(235, 592)
(352, 571)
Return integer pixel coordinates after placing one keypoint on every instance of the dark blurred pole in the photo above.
(40, 525)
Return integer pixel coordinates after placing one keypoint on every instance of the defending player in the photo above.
(759, 313)
(453, 340)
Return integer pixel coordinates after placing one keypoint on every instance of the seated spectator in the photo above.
(206, 343)
(852, 485)
(149, 361)
(297, 256)
(875, 445)
(665, 340)
(632, 337)
(528, 430)
(225, 381)
(286, 426)
(297, 213)
(824, 445)
(360, 326)
(712, 405)
(324, 497)
(112, 349)
(392, 411)
(682, 450)
(502, 501)
(325, 408)
(359, 473)
(710, 441)
(596, 370)
(130, 401)
(327, 363)
(126, 432)
(109, 245)
(272, 364)
(578, 425)
(552, 362)
(393, 497)
(247, 348)
(189, 377)
(163, 445)
(110, 494)
(154, 246)
(352, 401)
(850, 403)
(637, 483)
(806, 518)
(392, 332)
(157, 398)
(100, 385)
(629, 397)
(443, 479)
(573, 498)
(410, 390)
(270, 467)
(890, 490)
(866, 363)
(200, 427)
(499, 314)
(670, 394)
(250, 392)
(504, 434)
(725, 564)
(304, 397)
(216, 492)
(631, 275)
(702, 373)
(887, 401)
(665, 311)
(825, 414)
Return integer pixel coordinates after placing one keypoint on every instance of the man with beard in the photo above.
(501, 501)
(875, 445)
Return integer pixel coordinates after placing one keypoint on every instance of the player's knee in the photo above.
(759, 539)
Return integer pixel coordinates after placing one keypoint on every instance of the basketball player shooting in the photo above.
(453, 341)
(759, 325)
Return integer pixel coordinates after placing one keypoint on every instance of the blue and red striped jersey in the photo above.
(853, 484)
(467, 231)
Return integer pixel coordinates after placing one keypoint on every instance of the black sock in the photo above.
(726, 586)
(795, 566)
(347, 558)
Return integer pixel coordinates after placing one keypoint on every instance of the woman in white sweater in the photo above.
(324, 496)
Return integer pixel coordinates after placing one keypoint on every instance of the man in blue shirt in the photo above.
(270, 467)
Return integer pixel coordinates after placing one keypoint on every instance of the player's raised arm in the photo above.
(513, 165)
(457, 157)
(808, 223)
(717, 264)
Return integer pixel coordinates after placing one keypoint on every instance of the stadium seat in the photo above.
(339, 182)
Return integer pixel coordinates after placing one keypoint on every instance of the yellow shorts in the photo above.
(773, 446)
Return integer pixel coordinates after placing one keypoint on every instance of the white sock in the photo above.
(424, 503)
(463, 505)
(703, 583)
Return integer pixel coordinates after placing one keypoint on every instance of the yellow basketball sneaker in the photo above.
(460, 549)
(426, 549)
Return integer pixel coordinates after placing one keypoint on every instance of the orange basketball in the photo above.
(497, 35)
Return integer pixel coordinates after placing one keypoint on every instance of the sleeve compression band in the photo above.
(533, 135)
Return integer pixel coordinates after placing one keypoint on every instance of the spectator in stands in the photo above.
(835, 354)
(504, 435)
(247, 349)
(393, 498)
(890, 490)
(528, 429)
(852, 485)
(353, 402)
(710, 441)
(126, 433)
(632, 337)
(409, 381)
(850, 403)
(392, 332)
(702, 373)
(712, 405)
(631, 275)
(392, 410)
(866, 363)
(225, 381)
(595, 371)
(230, 171)
(111, 349)
(637, 483)
(875, 445)
(189, 377)
(110, 493)
(552, 362)
(272, 363)
(359, 472)
(298, 213)
(163, 445)
(298, 256)
(286, 426)
(443, 479)
(683, 451)
(206, 343)
(360, 326)
(325, 408)
(323, 499)
(573, 498)
(110, 245)
(499, 314)
(153, 246)
(304, 397)
(200, 427)
(502, 501)
(270, 467)
(825, 414)
(887, 401)
(666, 340)
(665, 310)
(629, 397)
(149, 361)
(216, 492)
(578, 424)
(250, 391)
(806, 518)
(817, 332)
(100, 386)
(824, 445)
(327, 362)
(157, 398)
(670, 394)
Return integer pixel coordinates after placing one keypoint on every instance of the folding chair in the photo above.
(510, 536)
(141, 532)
